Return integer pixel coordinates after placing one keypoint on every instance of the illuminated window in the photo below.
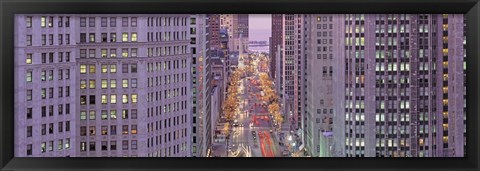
(445, 126)
(92, 84)
(445, 139)
(113, 114)
(113, 53)
(445, 52)
(134, 98)
(113, 83)
(125, 98)
(104, 115)
(92, 132)
(445, 64)
(83, 69)
(92, 69)
(29, 76)
(134, 37)
(104, 99)
(104, 83)
(445, 102)
(83, 84)
(445, 114)
(113, 99)
(104, 68)
(113, 68)
(43, 21)
(134, 129)
(445, 77)
(92, 115)
(125, 52)
(124, 114)
(445, 89)
(104, 53)
(83, 115)
(124, 37)
(125, 83)
(29, 58)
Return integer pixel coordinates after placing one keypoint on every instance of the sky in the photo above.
(259, 26)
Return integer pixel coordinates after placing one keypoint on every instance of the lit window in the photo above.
(29, 58)
(134, 37)
(104, 83)
(124, 114)
(92, 84)
(113, 114)
(113, 53)
(125, 83)
(83, 69)
(113, 83)
(113, 99)
(92, 115)
(125, 98)
(104, 99)
(125, 52)
(83, 84)
(104, 53)
(104, 68)
(43, 21)
(92, 68)
(83, 115)
(134, 98)
(104, 115)
(29, 76)
(445, 102)
(134, 129)
(124, 37)
(445, 139)
(113, 68)
(29, 22)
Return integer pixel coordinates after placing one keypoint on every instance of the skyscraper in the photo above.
(236, 25)
(275, 42)
(93, 85)
(398, 71)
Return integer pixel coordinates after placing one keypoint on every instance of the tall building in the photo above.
(201, 85)
(275, 41)
(237, 29)
(399, 97)
(321, 49)
(94, 85)
(214, 32)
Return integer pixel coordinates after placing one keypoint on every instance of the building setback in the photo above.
(93, 85)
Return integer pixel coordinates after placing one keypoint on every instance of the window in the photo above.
(83, 53)
(134, 83)
(91, 22)
(104, 97)
(92, 68)
(29, 149)
(91, 38)
(67, 39)
(91, 53)
(113, 83)
(134, 21)
(134, 144)
(50, 39)
(134, 68)
(124, 68)
(83, 69)
(50, 146)
(83, 22)
(44, 93)
(83, 100)
(104, 53)
(43, 21)
(104, 83)
(104, 37)
(113, 99)
(92, 115)
(29, 40)
(50, 75)
(29, 76)
(83, 37)
(67, 143)
(83, 84)
(104, 114)
(29, 113)
(134, 37)
(83, 115)
(124, 37)
(29, 131)
(113, 53)
(134, 52)
(125, 83)
(113, 114)
(113, 145)
(67, 56)
(60, 39)
(124, 114)
(44, 39)
(103, 21)
(43, 147)
(125, 98)
(92, 146)
(29, 22)
(60, 127)
(113, 22)
(124, 52)
(92, 84)
(67, 125)
(44, 129)
(124, 22)
(134, 113)
(92, 99)
(83, 146)
(134, 98)
(92, 130)
(50, 128)
(125, 129)
(104, 145)
(44, 75)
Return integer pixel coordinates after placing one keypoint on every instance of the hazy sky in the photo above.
(259, 26)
